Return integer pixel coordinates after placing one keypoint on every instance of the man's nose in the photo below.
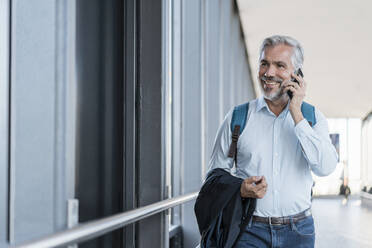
(270, 72)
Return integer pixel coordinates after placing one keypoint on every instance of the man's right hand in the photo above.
(253, 187)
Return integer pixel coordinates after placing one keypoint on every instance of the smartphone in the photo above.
(298, 73)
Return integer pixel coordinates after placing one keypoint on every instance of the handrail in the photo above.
(99, 227)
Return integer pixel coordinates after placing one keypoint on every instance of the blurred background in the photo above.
(109, 106)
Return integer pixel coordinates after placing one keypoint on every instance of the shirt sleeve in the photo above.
(316, 144)
(219, 157)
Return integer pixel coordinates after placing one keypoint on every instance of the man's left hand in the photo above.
(298, 91)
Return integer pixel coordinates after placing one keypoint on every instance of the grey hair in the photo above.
(298, 52)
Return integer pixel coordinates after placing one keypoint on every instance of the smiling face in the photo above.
(275, 67)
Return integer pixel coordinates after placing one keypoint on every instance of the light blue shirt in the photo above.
(285, 154)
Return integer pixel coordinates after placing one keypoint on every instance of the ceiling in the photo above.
(337, 39)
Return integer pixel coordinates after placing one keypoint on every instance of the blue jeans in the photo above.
(261, 235)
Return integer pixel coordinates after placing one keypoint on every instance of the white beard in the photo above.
(272, 96)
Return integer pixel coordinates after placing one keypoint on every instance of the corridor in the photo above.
(342, 224)
(110, 112)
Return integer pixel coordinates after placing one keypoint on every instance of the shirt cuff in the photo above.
(302, 128)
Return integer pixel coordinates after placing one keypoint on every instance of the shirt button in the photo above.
(276, 154)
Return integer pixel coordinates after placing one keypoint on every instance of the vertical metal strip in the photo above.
(65, 110)
(71, 103)
(11, 181)
(166, 110)
(59, 111)
(176, 104)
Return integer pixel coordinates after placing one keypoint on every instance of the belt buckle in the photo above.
(274, 224)
(271, 223)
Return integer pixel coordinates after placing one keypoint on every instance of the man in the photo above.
(277, 151)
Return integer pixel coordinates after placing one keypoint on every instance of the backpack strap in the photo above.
(308, 111)
(238, 122)
(239, 119)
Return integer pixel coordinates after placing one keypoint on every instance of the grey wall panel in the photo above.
(240, 66)
(177, 163)
(236, 61)
(191, 113)
(191, 236)
(4, 117)
(191, 89)
(233, 32)
(245, 76)
(212, 59)
(33, 119)
(226, 15)
(237, 70)
(42, 117)
(225, 8)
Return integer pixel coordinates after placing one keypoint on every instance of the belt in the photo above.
(283, 220)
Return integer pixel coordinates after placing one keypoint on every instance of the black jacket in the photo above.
(220, 211)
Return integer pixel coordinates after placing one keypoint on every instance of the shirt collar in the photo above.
(261, 103)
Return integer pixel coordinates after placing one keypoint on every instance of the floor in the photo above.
(342, 224)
